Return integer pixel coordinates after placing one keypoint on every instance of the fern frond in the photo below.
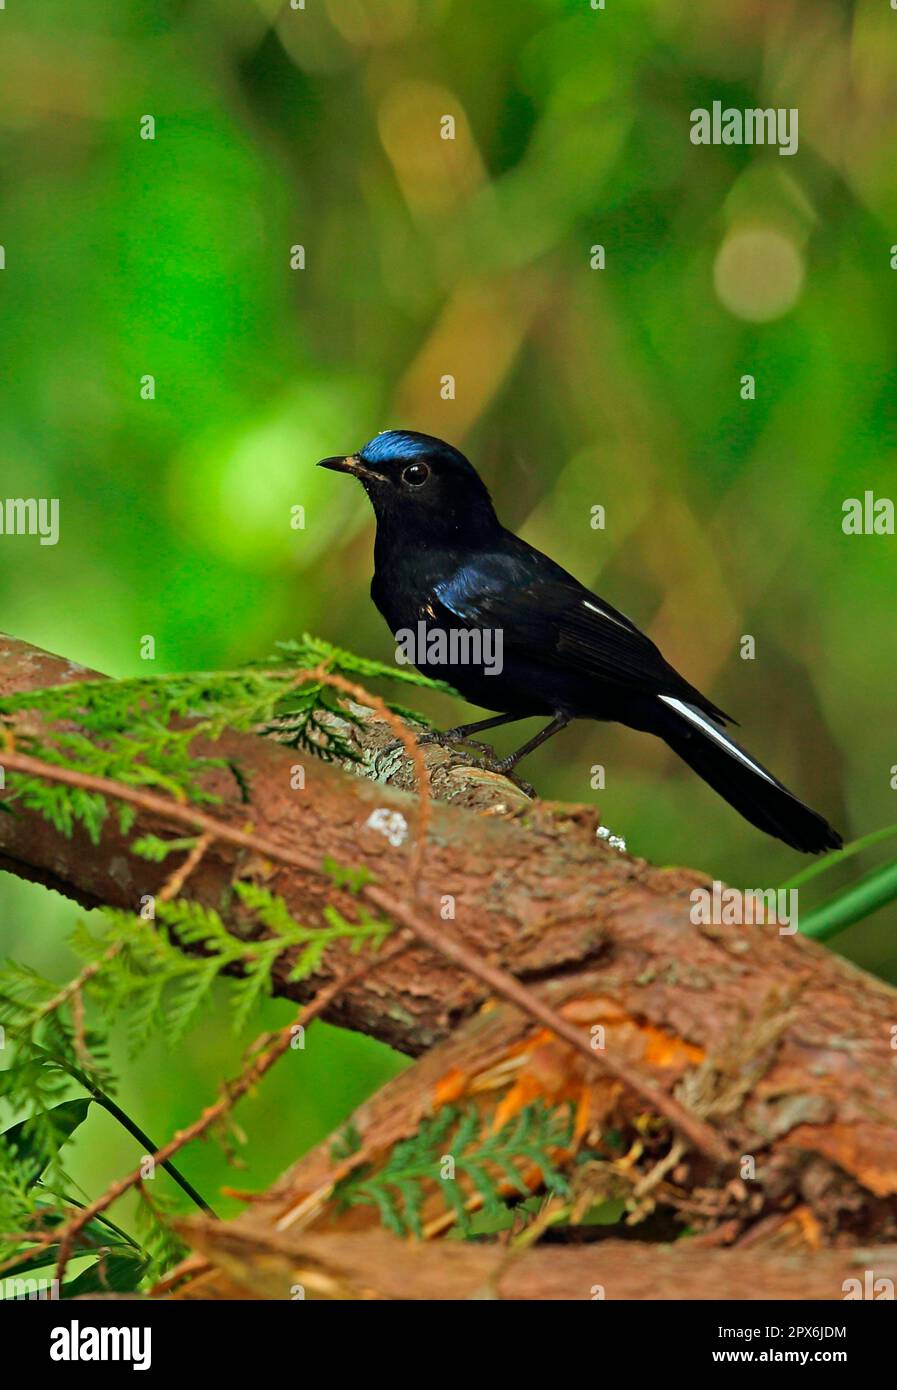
(141, 731)
(493, 1165)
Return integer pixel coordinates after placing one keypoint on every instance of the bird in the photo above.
(443, 559)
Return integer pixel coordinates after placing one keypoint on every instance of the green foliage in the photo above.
(346, 1143)
(162, 1248)
(34, 1201)
(843, 908)
(155, 974)
(35, 1190)
(314, 651)
(118, 1270)
(156, 850)
(489, 1162)
(839, 856)
(44, 1056)
(141, 731)
(873, 891)
(157, 988)
(344, 876)
(273, 914)
(141, 974)
(25, 1152)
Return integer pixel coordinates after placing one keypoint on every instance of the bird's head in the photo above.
(418, 482)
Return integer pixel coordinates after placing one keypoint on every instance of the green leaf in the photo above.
(20, 1138)
(874, 891)
(346, 877)
(156, 850)
(831, 861)
(120, 1271)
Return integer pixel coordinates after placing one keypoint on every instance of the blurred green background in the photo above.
(424, 257)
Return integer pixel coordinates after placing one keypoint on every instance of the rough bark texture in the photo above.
(781, 1045)
(377, 1265)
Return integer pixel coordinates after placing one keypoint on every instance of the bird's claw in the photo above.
(503, 767)
(448, 739)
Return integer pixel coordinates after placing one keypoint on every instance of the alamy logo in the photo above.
(28, 1288)
(729, 126)
(868, 515)
(78, 1342)
(868, 1287)
(31, 516)
(459, 646)
(736, 907)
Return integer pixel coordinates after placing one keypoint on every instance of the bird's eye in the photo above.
(415, 474)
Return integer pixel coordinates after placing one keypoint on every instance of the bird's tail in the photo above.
(741, 780)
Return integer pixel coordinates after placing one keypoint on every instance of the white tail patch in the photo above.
(707, 726)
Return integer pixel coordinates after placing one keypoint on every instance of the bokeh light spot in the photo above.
(758, 274)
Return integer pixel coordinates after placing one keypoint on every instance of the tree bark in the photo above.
(376, 1265)
(780, 1045)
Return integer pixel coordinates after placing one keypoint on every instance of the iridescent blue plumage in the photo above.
(389, 445)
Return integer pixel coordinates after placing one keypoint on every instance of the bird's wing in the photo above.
(550, 618)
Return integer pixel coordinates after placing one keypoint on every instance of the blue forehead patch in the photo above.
(396, 444)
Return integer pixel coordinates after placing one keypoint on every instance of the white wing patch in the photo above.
(694, 716)
(601, 613)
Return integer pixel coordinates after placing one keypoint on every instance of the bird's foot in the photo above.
(504, 766)
(456, 738)
(447, 738)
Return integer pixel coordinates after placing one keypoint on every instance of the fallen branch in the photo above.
(257, 1264)
(743, 1040)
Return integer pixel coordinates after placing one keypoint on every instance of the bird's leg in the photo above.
(462, 732)
(560, 721)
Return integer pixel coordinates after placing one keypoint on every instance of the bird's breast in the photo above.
(407, 593)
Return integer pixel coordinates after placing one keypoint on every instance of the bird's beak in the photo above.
(350, 464)
(339, 464)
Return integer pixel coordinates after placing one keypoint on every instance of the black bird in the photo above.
(442, 558)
